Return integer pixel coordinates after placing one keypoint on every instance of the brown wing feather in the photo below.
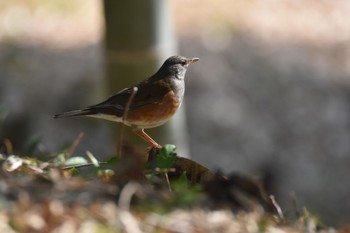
(148, 93)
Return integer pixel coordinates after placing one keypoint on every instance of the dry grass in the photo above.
(73, 205)
(56, 196)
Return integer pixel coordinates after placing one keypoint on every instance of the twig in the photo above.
(167, 181)
(127, 106)
(80, 165)
(74, 145)
(295, 204)
(277, 207)
(129, 222)
(8, 146)
(157, 170)
(125, 116)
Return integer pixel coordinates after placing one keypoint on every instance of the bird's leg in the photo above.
(146, 137)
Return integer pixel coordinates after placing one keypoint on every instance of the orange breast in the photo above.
(152, 115)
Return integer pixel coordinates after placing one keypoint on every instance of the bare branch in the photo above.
(125, 116)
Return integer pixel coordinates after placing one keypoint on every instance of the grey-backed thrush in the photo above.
(152, 103)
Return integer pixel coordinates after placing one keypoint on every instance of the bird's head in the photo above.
(177, 66)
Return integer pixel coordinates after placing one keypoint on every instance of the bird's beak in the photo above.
(193, 60)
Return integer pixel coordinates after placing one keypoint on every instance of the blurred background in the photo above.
(269, 97)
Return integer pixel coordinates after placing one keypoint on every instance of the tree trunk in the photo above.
(138, 38)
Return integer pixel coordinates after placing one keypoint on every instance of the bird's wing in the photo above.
(147, 93)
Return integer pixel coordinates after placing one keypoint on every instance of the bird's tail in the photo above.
(83, 112)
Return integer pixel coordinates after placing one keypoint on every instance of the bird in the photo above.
(148, 104)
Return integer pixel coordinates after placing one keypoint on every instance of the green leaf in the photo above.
(73, 171)
(59, 160)
(111, 163)
(76, 161)
(263, 225)
(166, 156)
(181, 182)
